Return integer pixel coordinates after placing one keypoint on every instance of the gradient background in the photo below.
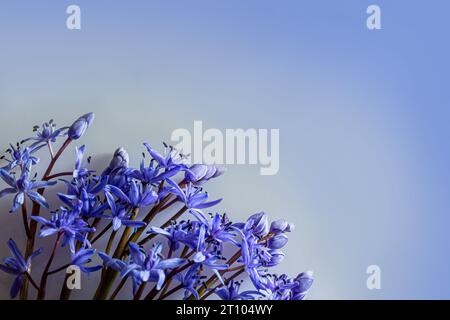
(363, 116)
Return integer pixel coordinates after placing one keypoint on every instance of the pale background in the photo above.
(363, 117)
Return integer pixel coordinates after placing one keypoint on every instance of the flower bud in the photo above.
(278, 226)
(290, 227)
(276, 257)
(260, 224)
(79, 127)
(121, 159)
(200, 173)
(278, 241)
(305, 281)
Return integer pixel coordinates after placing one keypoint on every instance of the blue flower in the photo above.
(143, 267)
(82, 257)
(282, 287)
(120, 215)
(231, 292)
(191, 196)
(151, 174)
(221, 229)
(278, 241)
(120, 161)
(48, 134)
(176, 235)
(79, 127)
(137, 196)
(208, 257)
(23, 187)
(20, 157)
(190, 280)
(172, 159)
(69, 223)
(17, 265)
(79, 172)
(198, 174)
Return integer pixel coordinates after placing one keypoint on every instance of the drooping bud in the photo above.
(121, 159)
(278, 226)
(305, 281)
(276, 257)
(260, 224)
(79, 127)
(278, 241)
(200, 173)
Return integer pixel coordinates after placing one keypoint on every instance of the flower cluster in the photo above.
(107, 220)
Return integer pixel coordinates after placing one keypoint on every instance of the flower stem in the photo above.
(59, 269)
(213, 278)
(101, 233)
(50, 148)
(119, 287)
(25, 219)
(107, 281)
(57, 175)
(240, 270)
(31, 280)
(43, 284)
(151, 295)
(140, 291)
(35, 212)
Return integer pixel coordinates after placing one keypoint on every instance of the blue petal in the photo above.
(17, 284)
(7, 191)
(9, 179)
(18, 201)
(36, 197)
(171, 263)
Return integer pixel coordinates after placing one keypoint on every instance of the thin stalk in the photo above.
(240, 271)
(57, 175)
(35, 212)
(213, 278)
(107, 281)
(140, 291)
(31, 280)
(110, 242)
(119, 287)
(25, 219)
(151, 295)
(43, 284)
(59, 269)
(102, 233)
(65, 291)
(50, 148)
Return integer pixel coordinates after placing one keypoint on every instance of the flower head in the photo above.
(46, 135)
(120, 215)
(19, 157)
(144, 267)
(198, 174)
(79, 127)
(192, 197)
(83, 257)
(172, 159)
(67, 222)
(17, 265)
(23, 187)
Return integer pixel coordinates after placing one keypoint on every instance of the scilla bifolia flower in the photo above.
(122, 213)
